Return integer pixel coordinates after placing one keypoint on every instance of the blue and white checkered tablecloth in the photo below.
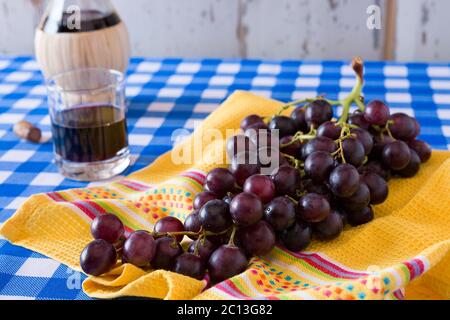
(166, 94)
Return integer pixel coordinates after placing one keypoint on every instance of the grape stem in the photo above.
(355, 94)
(231, 241)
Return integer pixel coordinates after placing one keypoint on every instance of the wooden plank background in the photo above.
(279, 29)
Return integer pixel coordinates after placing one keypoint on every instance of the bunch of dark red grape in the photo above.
(330, 173)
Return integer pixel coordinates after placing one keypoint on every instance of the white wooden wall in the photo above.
(278, 29)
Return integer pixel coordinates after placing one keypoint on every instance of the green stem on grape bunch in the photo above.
(292, 199)
(355, 94)
(231, 241)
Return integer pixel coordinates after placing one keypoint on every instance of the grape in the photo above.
(376, 167)
(318, 112)
(313, 207)
(297, 237)
(226, 262)
(298, 115)
(403, 126)
(203, 197)
(167, 250)
(330, 228)
(396, 155)
(422, 149)
(365, 138)
(250, 120)
(215, 216)
(318, 144)
(318, 165)
(293, 149)
(285, 125)
(286, 179)
(280, 213)
(98, 257)
(190, 265)
(220, 239)
(261, 186)
(192, 223)
(377, 186)
(360, 217)
(379, 142)
(262, 138)
(254, 128)
(246, 209)
(412, 167)
(220, 181)
(139, 248)
(242, 167)
(358, 200)
(376, 113)
(258, 239)
(357, 119)
(205, 249)
(239, 143)
(317, 187)
(353, 151)
(344, 180)
(330, 130)
(169, 224)
(107, 227)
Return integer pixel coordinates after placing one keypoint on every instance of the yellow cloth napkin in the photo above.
(408, 242)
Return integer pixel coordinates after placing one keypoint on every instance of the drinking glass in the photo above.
(89, 129)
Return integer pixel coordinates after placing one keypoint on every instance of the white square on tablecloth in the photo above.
(443, 114)
(347, 82)
(140, 139)
(5, 297)
(310, 69)
(16, 203)
(261, 93)
(148, 66)
(139, 78)
(307, 82)
(205, 107)
(4, 64)
(38, 267)
(11, 118)
(266, 68)
(398, 97)
(179, 79)
(347, 70)
(446, 131)
(7, 88)
(39, 90)
(4, 175)
(438, 72)
(47, 179)
(132, 91)
(160, 106)
(149, 122)
(214, 93)
(17, 155)
(221, 80)
(264, 81)
(296, 95)
(440, 84)
(408, 111)
(188, 67)
(441, 98)
(399, 71)
(170, 92)
(27, 103)
(45, 121)
(228, 67)
(18, 76)
(396, 83)
(30, 65)
(192, 123)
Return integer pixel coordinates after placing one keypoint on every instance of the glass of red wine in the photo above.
(87, 110)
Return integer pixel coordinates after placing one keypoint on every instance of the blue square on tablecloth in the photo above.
(24, 286)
